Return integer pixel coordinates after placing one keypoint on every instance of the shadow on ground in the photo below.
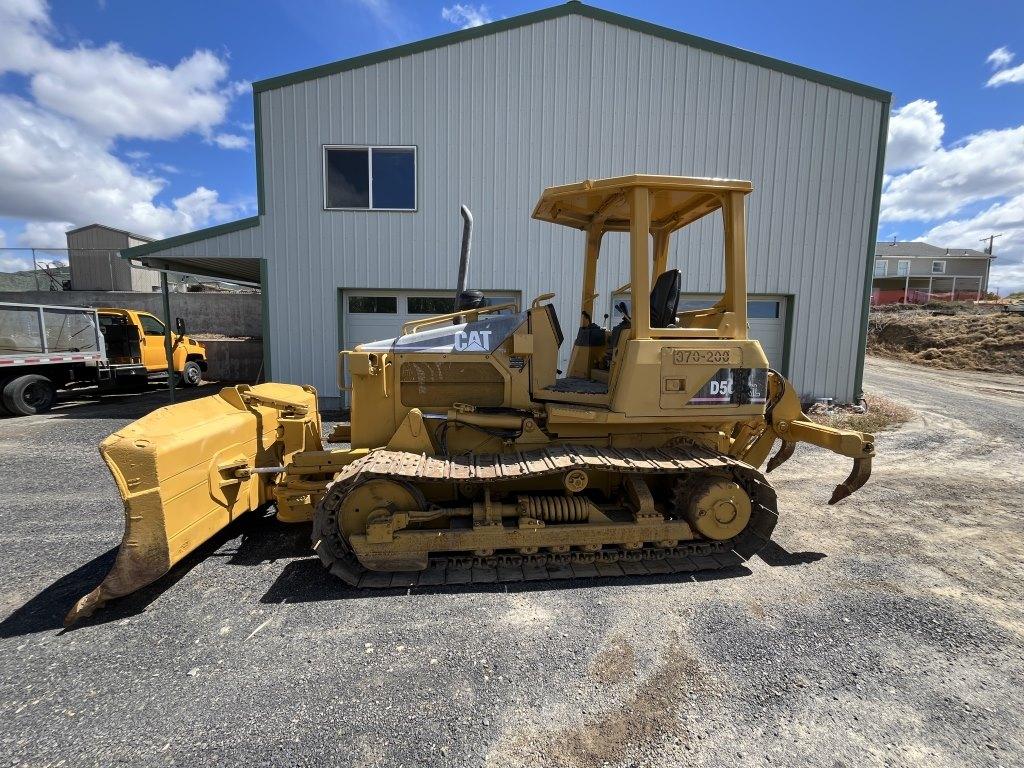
(89, 403)
(261, 539)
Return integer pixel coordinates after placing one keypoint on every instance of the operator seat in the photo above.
(665, 298)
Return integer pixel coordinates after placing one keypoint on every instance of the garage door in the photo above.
(766, 316)
(375, 315)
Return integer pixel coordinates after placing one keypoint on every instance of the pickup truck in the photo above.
(189, 356)
(44, 348)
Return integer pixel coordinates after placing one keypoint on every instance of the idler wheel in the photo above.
(718, 508)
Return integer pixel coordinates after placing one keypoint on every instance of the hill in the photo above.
(26, 279)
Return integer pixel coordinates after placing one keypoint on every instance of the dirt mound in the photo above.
(975, 342)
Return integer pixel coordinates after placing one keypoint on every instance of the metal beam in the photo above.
(168, 343)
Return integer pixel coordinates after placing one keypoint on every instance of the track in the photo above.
(336, 554)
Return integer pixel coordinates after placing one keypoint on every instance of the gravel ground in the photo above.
(888, 630)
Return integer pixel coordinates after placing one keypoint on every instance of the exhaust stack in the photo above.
(465, 299)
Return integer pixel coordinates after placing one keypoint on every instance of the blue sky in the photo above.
(180, 157)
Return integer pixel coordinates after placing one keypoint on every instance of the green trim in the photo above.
(558, 11)
(787, 339)
(257, 120)
(265, 318)
(158, 246)
(883, 133)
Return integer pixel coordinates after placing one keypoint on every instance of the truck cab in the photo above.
(189, 357)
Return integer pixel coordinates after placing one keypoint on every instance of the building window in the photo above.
(762, 310)
(903, 268)
(373, 305)
(370, 178)
(881, 267)
(431, 305)
(938, 267)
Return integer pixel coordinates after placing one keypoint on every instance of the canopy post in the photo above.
(168, 343)
(639, 254)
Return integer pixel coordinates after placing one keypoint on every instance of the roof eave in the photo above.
(558, 11)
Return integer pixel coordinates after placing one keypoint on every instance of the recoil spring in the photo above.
(555, 509)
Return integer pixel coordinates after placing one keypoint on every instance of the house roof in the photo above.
(132, 235)
(918, 250)
(568, 9)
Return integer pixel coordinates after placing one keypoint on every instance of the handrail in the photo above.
(539, 299)
(412, 326)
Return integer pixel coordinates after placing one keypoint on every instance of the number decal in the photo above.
(703, 356)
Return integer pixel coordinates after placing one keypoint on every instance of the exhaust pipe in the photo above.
(467, 239)
(465, 299)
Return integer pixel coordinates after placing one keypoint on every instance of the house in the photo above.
(914, 273)
(362, 164)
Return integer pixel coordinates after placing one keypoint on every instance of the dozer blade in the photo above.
(184, 473)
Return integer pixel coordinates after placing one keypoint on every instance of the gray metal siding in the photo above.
(497, 119)
(98, 270)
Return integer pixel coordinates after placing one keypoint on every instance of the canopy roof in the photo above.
(675, 201)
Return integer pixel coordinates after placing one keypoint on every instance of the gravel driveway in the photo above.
(887, 630)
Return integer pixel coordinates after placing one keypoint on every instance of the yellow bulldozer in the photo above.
(470, 459)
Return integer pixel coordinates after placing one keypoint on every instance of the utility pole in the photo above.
(991, 242)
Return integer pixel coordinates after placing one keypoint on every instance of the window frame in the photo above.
(369, 161)
(941, 271)
(899, 268)
(885, 268)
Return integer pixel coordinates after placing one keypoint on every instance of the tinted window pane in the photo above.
(394, 178)
(376, 305)
(762, 309)
(430, 305)
(151, 326)
(348, 178)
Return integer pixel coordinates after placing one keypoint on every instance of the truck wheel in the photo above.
(27, 395)
(3, 383)
(191, 375)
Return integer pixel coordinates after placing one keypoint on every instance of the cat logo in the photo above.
(473, 341)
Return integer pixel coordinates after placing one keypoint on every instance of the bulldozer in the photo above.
(470, 458)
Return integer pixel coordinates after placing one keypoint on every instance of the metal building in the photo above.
(92, 257)
(362, 165)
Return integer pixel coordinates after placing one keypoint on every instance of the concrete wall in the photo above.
(226, 314)
(237, 360)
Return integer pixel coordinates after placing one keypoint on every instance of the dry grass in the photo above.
(882, 414)
(960, 341)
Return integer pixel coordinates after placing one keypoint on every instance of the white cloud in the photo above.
(1006, 76)
(57, 148)
(108, 90)
(1003, 218)
(48, 234)
(915, 131)
(1000, 57)
(983, 166)
(944, 186)
(51, 171)
(386, 15)
(466, 15)
(231, 141)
